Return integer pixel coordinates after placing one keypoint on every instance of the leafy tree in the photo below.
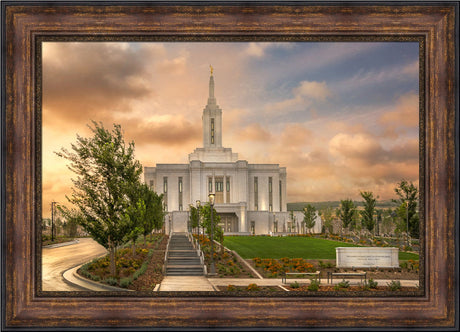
(73, 219)
(154, 212)
(194, 217)
(401, 221)
(106, 173)
(70, 228)
(327, 216)
(309, 217)
(369, 208)
(388, 221)
(346, 212)
(205, 212)
(134, 217)
(407, 194)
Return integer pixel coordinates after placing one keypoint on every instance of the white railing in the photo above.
(197, 247)
(165, 265)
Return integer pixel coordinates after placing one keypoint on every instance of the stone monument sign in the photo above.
(361, 257)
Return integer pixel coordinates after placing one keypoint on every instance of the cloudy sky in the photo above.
(342, 117)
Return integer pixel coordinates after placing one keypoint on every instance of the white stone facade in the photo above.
(250, 198)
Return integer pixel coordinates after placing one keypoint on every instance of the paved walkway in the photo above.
(185, 284)
(276, 282)
(64, 256)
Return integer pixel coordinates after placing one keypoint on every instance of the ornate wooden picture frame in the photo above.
(28, 24)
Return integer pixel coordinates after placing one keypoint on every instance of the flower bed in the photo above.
(378, 289)
(226, 263)
(273, 268)
(128, 266)
(251, 288)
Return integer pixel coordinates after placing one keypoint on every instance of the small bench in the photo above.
(315, 274)
(331, 275)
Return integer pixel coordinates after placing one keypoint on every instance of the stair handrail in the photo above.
(196, 245)
(165, 265)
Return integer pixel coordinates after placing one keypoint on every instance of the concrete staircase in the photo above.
(182, 259)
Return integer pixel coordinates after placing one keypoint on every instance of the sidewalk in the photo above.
(186, 284)
(276, 282)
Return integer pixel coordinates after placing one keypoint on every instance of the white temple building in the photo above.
(250, 198)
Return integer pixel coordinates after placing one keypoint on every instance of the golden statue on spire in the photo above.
(212, 69)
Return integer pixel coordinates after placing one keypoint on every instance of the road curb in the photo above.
(63, 244)
(91, 285)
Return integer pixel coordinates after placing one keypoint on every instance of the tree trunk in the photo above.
(145, 240)
(113, 268)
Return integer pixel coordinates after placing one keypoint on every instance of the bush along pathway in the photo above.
(140, 271)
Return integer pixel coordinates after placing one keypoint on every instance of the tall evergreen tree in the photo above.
(346, 212)
(309, 217)
(367, 214)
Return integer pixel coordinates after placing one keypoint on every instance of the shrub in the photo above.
(344, 284)
(231, 288)
(373, 284)
(394, 285)
(111, 281)
(253, 287)
(366, 286)
(95, 277)
(314, 285)
(125, 282)
(295, 284)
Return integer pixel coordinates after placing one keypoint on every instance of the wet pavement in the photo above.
(57, 260)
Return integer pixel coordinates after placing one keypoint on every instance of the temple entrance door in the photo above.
(219, 190)
(229, 222)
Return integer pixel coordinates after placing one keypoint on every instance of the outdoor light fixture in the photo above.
(211, 199)
(211, 202)
(198, 206)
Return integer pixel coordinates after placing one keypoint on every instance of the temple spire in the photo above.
(211, 99)
(212, 119)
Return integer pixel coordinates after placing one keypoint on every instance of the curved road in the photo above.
(55, 261)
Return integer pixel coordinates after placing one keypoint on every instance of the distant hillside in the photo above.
(299, 206)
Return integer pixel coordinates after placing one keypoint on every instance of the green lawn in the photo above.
(292, 247)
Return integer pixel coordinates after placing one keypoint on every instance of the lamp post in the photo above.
(52, 220)
(198, 206)
(189, 217)
(170, 228)
(211, 203)
(407, 223)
